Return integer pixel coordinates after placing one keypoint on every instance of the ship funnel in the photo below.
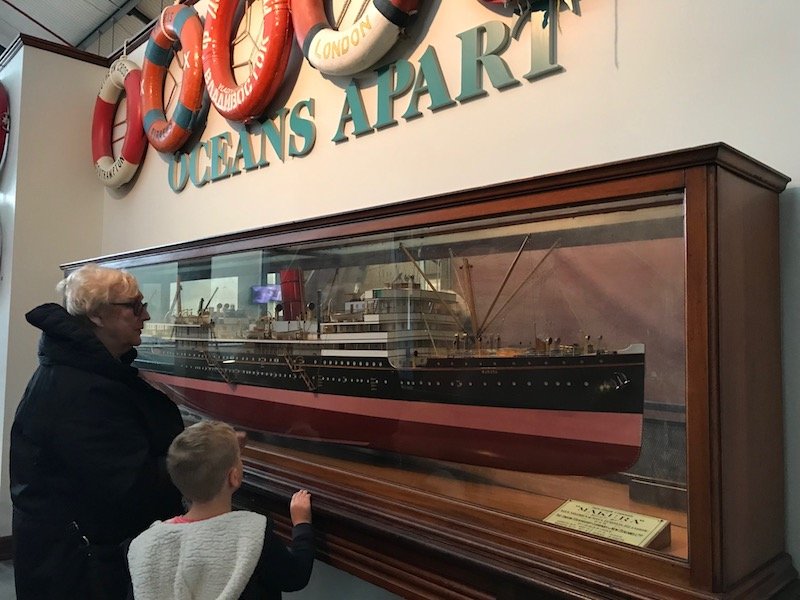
(292, 294)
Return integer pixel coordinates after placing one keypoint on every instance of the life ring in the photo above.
(249, 100)
(178, 22)
(5, 121)
(122, 75)
(354, 48)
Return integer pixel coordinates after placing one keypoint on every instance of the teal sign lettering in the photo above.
(402, 87)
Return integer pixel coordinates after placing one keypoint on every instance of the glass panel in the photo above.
(514, 363)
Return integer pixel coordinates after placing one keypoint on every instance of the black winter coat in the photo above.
(88, 445)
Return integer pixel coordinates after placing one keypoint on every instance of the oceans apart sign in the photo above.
(400, 85)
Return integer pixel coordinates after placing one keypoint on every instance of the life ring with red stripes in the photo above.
(249, 100)
(178, 23)
(5, 121)
(114, 172)
(354, 48)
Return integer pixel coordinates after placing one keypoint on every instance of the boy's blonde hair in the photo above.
(91, 286)
(199, 459)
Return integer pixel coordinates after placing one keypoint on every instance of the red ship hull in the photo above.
(564, 442)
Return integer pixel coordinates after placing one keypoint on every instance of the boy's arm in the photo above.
(289, 569)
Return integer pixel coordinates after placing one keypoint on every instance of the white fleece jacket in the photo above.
(204, 560)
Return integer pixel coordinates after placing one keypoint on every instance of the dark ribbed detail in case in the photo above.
(392, 13)
(311, 34)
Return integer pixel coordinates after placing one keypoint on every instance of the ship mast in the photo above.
(175, 300)
(484, 325)
(520, 286)
(207, 304)
(467, 289)
(330, 294)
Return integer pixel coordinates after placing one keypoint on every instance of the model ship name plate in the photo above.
(613, 524)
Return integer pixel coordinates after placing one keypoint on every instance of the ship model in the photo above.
(404, 367)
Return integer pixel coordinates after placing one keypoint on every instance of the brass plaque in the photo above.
(613, 524)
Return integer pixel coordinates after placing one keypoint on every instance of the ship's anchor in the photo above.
(620, 380)
(296, 366)
(215, 365)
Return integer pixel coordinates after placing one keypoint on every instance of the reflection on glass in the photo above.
(540, 355)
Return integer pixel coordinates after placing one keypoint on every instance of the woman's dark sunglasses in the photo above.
(137, 306)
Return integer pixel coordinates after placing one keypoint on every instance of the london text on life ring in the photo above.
(354, 48)
(123, 75)
(177, 23)
(249, 100)
(5, 121)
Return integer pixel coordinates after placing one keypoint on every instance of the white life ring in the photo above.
(114, 172)
(354, 48)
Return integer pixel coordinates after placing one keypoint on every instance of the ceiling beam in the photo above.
(32, 20)
(139, 15)
(122, 10)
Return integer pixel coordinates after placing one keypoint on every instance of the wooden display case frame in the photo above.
(422, 544)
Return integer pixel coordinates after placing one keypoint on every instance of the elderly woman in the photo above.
(88, 443)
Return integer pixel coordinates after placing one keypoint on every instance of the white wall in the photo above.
(51, 209)
(643, 78)
(11, 78)
(640, 78)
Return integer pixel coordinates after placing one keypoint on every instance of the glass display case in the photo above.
(531, 386)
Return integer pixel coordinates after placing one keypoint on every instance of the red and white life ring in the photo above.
(354, 48)
(123, 75)
(5, 121)
(249, 100)
(178, 23)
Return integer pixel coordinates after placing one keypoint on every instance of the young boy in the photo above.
(211, 551)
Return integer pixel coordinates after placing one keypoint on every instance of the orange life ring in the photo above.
(249, 100)
(177, 23)
(122, 75)
(5, 121)
(354, 48)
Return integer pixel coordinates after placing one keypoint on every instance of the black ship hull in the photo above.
(577, 414)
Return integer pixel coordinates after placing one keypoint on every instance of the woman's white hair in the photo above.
(92, 286)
